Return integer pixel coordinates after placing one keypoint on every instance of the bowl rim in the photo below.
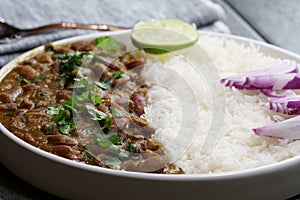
(138, 175)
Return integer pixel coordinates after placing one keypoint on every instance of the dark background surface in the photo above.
(273, 21)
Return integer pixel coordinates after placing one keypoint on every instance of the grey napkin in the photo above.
(31, 13)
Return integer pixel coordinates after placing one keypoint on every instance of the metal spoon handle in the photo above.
(67, 25)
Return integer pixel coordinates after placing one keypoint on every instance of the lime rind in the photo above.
(161, 36)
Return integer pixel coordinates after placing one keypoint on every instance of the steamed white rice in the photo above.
(183, 129)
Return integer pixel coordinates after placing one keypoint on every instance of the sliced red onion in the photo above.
(289, 105)
(282, 67)
(269, 94)
(265, 82)
(289, 129)
(283, 75)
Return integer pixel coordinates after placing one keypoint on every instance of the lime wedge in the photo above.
(163, 35)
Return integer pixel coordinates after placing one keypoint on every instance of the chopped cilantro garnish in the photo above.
(70, 62)
(89, 154)
(96, 114)
(113, 138)
(111, 143)
(116, 149)
(80, 82)
(53, 110)
(115, 112)
(112, 162)
(107, 123)
(108, 44)
(89, 94)
(22, 80)
(63, 116)
(102, 85)
(117, 74)
(125, 76)
(8, 114)
(66, 125)
(69, 104)
(123, 153)
(95, 98)
(131, 147)
(39, 78)
(103, 141)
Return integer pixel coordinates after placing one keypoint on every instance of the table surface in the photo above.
(276, 22)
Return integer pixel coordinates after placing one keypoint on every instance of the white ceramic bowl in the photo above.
(73, 180)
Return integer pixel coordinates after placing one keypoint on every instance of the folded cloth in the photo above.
(30, 13)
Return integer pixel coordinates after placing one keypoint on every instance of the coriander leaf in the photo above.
(22, 80)
(95, 98)
(114, 149)
(107, 122)
(102, 85)
(90, 86)
(39, 78)
(118, 151)
(112, 162)
(61, 114)
(65, 129)
(100, 40)
(103, 141)
(70, 62)
(96, 114)
(80, 82)
(115, 112)
(68, 104)
(89, 154)
(108, 44)
(66, 125)
(85, 96)
(123, 153)
(63, 117)
(131, 147)
(125, 76)
(113, 138)
(117, 74)
(8, 114)
(53, 110)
